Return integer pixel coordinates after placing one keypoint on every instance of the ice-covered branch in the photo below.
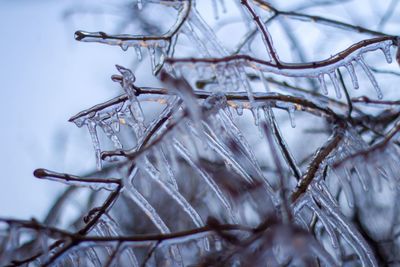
(126, 40)
(315, 165)
(376, 147)
(317, 19)
(94, 183)
(266, 36)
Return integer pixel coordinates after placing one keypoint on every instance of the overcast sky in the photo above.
(46, 77)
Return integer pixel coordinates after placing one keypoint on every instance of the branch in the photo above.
(315, 164)
(309, 69)
(378, 146)
(132, 40)
(318, 19)
(266, 36)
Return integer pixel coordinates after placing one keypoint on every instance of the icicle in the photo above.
(290, 108)
(335, 82)
(126, 117)
(111, 226)
(110, 133)
(169, 147)
(206, 242)
(346, 187)
(256, 116)
(283, 147)
(124, 46)
(391, 168)
(384, 175)
(115, 125)
(93, 256)
(323, 217)
(237, 135)
(202, 48)
(72, 257)
(138, 51)
(228, 157)
(146, 207)
(128, 86)
(352, 73)
(322, 82)
(167, 166)
(239, 110)
(95, 140)
(187, 208)
(371, 77)
(386, 51)
(208, 33)
(245, 83)
(345, 229)
(204, 175)
(360, 179)
(152, 53)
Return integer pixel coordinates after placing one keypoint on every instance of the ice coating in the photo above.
(93, 183)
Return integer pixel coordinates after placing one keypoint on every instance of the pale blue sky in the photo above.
(46, 76)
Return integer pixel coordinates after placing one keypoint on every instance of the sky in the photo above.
(46, 77)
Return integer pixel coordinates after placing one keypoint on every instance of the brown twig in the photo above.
(315, 165)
